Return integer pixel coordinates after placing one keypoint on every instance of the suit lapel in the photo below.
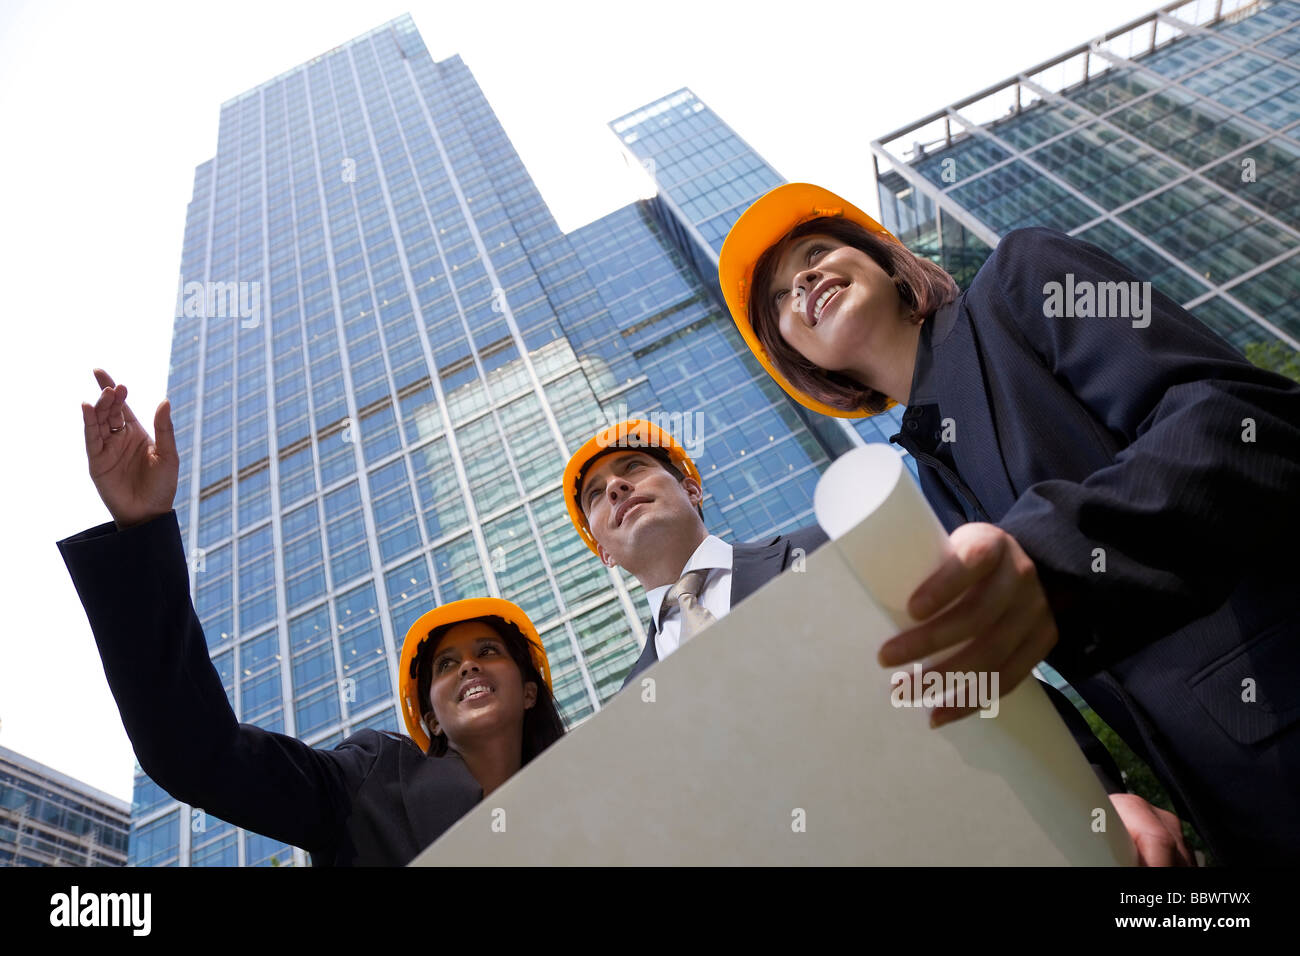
(964, 397)
(648, 656)
(436, 792)
(753, 565)
(648, 653)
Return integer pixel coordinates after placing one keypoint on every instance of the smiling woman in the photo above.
(863, 273)
(475, 678)
(1120, 496)
(475, 683)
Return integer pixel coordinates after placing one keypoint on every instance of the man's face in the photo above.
(632, 502)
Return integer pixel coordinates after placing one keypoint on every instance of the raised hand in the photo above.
(134, 474)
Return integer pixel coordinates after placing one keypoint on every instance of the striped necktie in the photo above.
(685, 594)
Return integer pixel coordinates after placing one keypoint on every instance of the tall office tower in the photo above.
(49, 819)
(1172, 142)
(384, 352)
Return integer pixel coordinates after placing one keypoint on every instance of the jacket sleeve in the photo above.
(134, 585)
(1206, 477)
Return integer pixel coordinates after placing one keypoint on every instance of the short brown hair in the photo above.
(922, 284)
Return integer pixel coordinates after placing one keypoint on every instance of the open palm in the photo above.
(134, 474)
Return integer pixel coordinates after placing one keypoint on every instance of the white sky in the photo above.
(106, 108)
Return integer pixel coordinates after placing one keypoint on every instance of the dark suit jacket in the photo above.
(1078, 434)
(372, 800)
(754, 564)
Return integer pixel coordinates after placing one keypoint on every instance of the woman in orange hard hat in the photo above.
(475, 683)
(1119, 484)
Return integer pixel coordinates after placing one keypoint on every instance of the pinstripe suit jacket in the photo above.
(1153, 475)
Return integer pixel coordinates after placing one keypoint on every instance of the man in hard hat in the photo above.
(635, 498)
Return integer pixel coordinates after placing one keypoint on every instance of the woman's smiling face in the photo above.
(477, 687)
(835, 305)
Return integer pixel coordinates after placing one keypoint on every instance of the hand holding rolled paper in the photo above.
(977, 587)
(986, 592)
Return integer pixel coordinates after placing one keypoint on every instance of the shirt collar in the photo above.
(925, 386)
(713, 552)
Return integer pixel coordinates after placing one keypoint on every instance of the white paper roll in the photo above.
(903, 541)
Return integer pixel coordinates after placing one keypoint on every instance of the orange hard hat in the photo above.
(762, 226)
(633, 434)
(457, 612)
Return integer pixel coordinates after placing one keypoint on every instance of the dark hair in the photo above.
(658, 454)
(542, 722)
(922, 284)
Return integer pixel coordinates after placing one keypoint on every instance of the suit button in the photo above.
(910, 426)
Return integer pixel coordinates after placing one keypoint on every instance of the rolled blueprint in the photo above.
(898, 541)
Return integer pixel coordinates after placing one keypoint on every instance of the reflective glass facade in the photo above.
(385, 351)
(50, 819)
(1173, 143)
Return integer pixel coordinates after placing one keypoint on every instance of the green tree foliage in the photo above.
(1275, 356)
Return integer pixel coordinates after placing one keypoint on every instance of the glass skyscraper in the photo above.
(49, 819)
(385, 351)
(1173, 142)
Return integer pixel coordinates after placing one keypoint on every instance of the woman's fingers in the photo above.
(94, 441)
(975, 575)
(118, 412)
(1011, 651)
(976, 552)
(103, 421)
(979, 608)
(1005, 649)
(111, 408)
(128, 416)
(104, 403)
(164, 433)
(990, 650)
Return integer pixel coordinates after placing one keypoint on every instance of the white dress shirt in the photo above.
(713, 553)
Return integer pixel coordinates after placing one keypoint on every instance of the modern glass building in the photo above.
(49, 819)
(384, 352)
(1173, 142)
